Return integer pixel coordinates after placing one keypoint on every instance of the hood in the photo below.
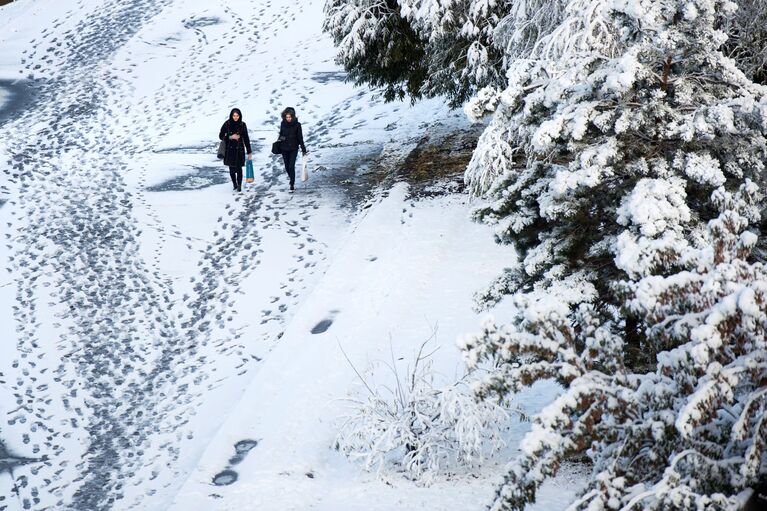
(289, 110)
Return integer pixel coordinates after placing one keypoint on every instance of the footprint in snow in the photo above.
(322, 326)
(225, 478)
(242, 448)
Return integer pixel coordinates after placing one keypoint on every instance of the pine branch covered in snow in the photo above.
(748, 38)
(418, 48)
(376, 45)
(418, 428)
(691, 433)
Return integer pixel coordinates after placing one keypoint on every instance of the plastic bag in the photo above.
(249, 171)
(304, 170)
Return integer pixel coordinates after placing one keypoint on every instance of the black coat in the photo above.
(291, 136)
(235, 149)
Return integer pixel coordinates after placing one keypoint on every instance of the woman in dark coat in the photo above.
(235, 132)
(291, 138)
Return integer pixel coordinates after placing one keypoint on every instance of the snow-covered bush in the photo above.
(418, 428)
(688, 435)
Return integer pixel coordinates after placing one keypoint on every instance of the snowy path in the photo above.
(124, 320)
(79, 249)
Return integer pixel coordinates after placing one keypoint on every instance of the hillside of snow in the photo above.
(166, 343)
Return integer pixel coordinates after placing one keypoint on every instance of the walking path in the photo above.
(131, 315)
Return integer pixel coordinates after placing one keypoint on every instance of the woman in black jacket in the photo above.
(235, 132)
(291, 137)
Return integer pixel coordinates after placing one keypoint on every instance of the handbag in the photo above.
(249, 171)
(276, 147)
(304, 171)
(222, 147)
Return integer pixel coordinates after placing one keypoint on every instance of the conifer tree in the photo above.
(623, 162)
(609, 144)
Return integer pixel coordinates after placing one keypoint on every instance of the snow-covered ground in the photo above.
(157, 347)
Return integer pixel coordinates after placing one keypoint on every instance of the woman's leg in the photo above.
(236, 174)
(289, 157)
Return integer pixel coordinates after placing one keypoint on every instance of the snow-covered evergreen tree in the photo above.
(611, 142)
(623, 162)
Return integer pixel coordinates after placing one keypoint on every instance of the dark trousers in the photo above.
(236, 174)
(289, 157)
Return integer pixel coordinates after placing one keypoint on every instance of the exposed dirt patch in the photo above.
(437, 158)
(437, 162)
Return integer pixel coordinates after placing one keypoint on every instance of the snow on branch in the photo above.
(623, 163)
(690, 434)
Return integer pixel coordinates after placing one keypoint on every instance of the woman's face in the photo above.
(289, 117)
(236, 116)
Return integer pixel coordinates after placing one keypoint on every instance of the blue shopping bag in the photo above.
(249, 171)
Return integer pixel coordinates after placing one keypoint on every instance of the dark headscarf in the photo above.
(235, 126)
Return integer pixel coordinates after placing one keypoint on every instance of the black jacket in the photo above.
(235, 149)
(291, 136)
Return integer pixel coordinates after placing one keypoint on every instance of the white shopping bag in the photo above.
(304, 171)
